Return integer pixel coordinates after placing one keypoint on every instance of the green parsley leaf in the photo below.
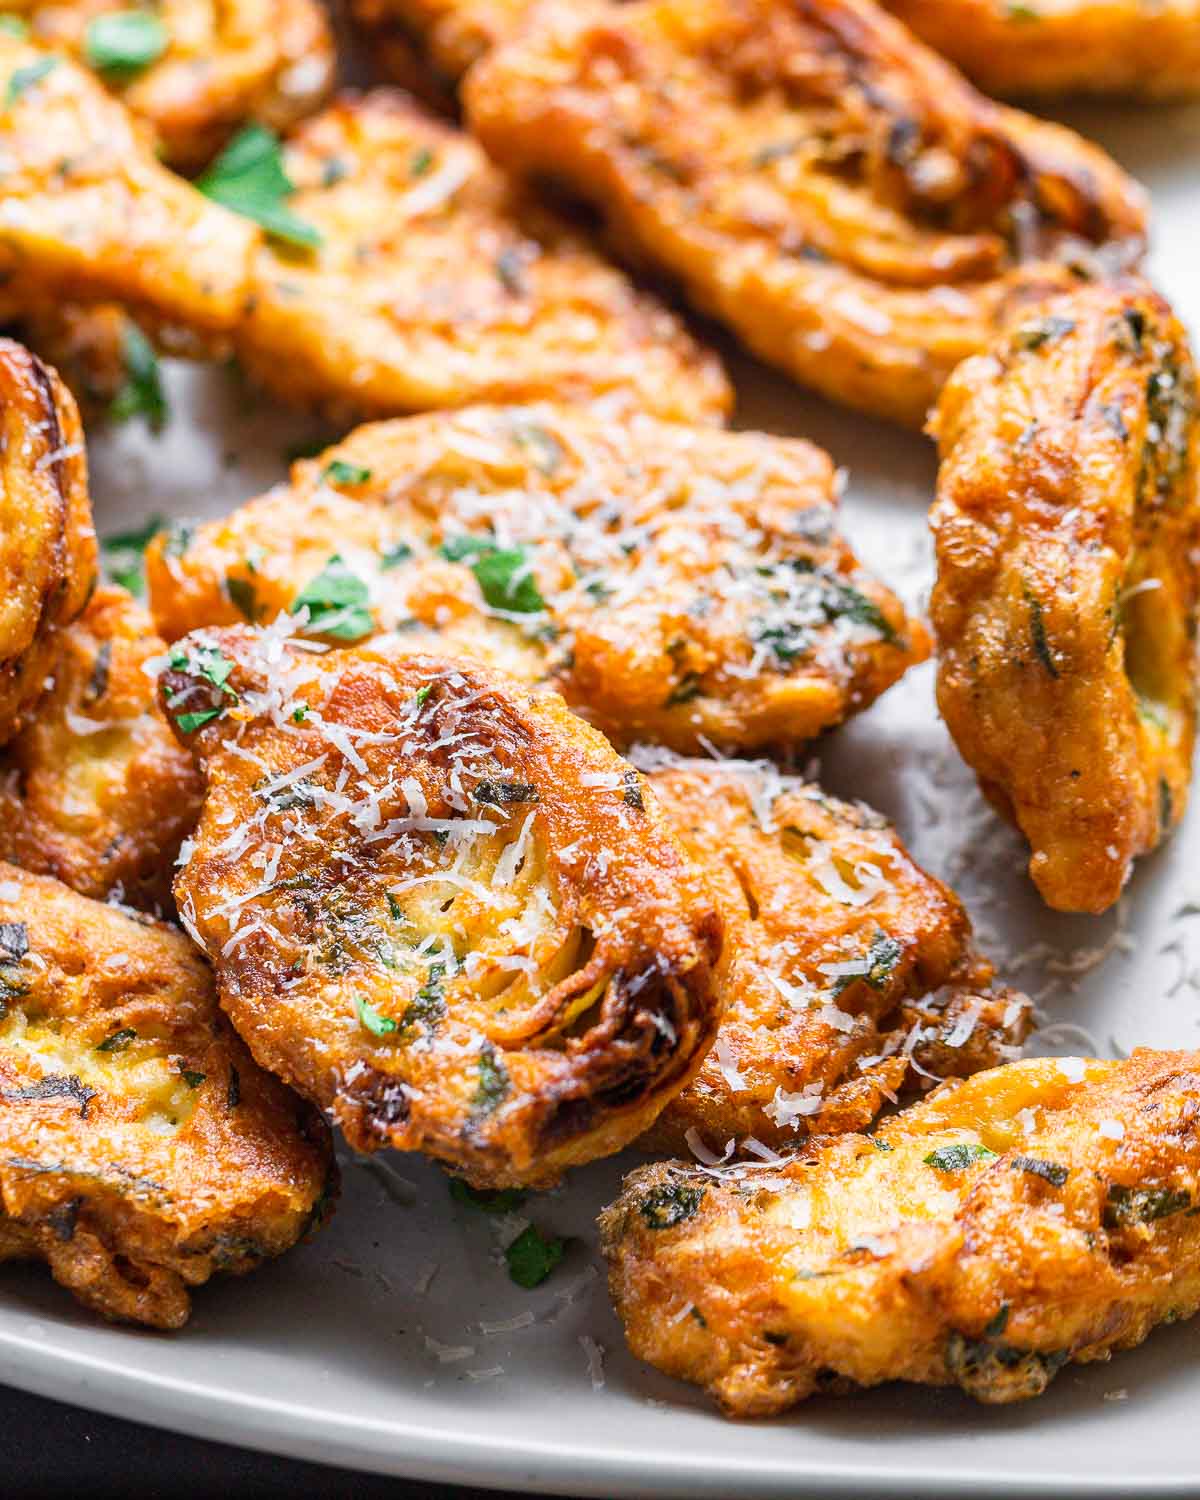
(124, 43)
(958, 1157)
(338, 471)
(533, 1255)
(493, 1080)
(1130, 1205)
(391, 557)
(336, 601)
(422, 161)
(664, 1207)
(300, 713)
(1049, 1171)
(14, 26)
(190, 722)
(242, 597)
(503, 573)
(421, 696)
(249, 178)
(142, 393)
(23, 79)
(193, 1080)
(371, 1020)
(490, 1200)
(118, 1040)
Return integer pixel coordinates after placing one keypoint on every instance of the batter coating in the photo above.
(1067, 526)
(141, 1150)
(848, 973)
(1034, 1215)
(438, 903)
(675, 584)
(812, 176)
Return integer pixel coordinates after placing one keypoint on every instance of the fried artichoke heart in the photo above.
(439, 904)
(96, 790)
(88, 213)
(141, 1150)
(1039, 1213)
(812, 176)
(674, 584)
(427, 45)
(439, 282)
(848, 973)
(194, 70)
(47, 542)
(1104, 47)
(1067, 527)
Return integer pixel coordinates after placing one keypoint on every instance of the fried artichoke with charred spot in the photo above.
(87, 213)
(141, 1149)
(1039, 1213)
(194, 70)
(811, 175)
(95, 790)
(1067, 527)
(47, 542)
(845, 969)
(1123, 47)
(675, 584)
(438, 283)
(438, 904)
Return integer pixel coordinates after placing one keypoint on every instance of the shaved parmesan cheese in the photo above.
(723, 1054)
(595, 1360)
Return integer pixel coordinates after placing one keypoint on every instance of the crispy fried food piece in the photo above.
(439, 904)
(87, 347)
(414, 38)
(47, 541)
(141, 1150)
(845, 966)
(1033, 1215)
(1067, 527)
(87, 213)
(673, 583)
(812, 175)
(440, 283)
(219, 63)
(96, 791)
(1124, 47)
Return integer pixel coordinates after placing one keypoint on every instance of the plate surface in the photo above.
(396, 1342)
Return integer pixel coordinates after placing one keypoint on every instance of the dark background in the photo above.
(48, 1449)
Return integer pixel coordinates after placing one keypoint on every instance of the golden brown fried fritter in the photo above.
(1067, 527)
(1135, 48)
(845, 967)
(439, 904)
(87, 347)
(811, 175)
(209, 65)
(673, 583)
(1035, 1214)
(96, 791)
(141, 1149)
(439, 283)
(47, 542)
(87, 213)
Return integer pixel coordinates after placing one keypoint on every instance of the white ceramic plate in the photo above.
(384, 1344)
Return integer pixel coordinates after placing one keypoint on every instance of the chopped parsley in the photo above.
(665, 1207)
(1049, 1171)
(56, 1086)
(189, 723)
(631, 793)
(117, 1041)
(958, 1157)
(336, 601)
(1034, 335)
(422, 161)
(124, 43)
(242, 596)
(1127, 1205)
(391, 557)
(124, 554)
(504, 574)
(493, 1080)
(503, 793)
(428, 1006)
(23, 79)
(249, 178)
(421, 696)
(193, 1080)
(532, 1256)
(1037, 630)
(883, 956)
(490, 1200)
(141, 394)
(14, 26)
(371, 1020)
(338, 471)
